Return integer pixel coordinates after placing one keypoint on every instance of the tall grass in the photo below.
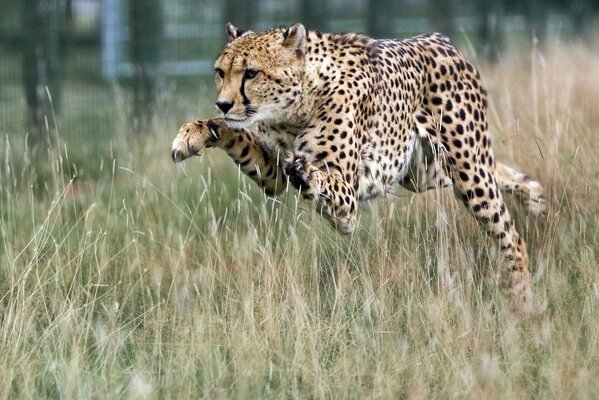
(125, 276)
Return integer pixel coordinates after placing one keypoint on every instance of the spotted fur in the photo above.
(346, 118)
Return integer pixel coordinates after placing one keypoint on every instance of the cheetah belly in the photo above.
(380, 170)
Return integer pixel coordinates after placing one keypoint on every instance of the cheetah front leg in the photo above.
(325, 171)
(334, 197)
(245, 148)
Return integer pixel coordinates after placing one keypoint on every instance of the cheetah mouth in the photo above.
(237, 123)
(235, 119)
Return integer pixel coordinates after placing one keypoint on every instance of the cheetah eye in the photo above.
(250, 73)
(220, 72)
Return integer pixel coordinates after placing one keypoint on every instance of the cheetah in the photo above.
(345, 118)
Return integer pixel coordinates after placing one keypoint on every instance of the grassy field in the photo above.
(125, 276)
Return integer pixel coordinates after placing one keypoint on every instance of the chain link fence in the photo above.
(78, 53)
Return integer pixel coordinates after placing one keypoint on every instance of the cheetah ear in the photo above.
(233, 32)
(294, 38)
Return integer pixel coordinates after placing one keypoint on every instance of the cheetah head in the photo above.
(258, 76)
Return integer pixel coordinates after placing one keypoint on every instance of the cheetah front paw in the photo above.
(193, 137)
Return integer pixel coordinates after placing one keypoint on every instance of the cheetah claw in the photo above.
(298, 176)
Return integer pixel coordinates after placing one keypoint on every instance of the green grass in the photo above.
(139, 279)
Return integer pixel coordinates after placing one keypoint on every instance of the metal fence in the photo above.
(80, 51)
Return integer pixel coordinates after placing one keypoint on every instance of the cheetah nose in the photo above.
(177, 155)
(225, 106)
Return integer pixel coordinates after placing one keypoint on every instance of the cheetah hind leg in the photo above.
(494, 216)
(487, 205)
(528, 191)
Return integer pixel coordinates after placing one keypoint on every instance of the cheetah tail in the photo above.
(530, 192)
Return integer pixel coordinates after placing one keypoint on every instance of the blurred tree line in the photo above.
(43, 46)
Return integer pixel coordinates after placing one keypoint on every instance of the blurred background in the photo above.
(125, 276)
(90, 65)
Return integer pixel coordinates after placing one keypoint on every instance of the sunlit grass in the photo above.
(136, 278)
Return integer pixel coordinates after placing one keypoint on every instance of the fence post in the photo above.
(241, 13)
(536, 12)
(112, 39)
(41, 26)
(313, 14)
(380, 18)
(490, 13)
(442, 16)
(581, 13)
(146, 51)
